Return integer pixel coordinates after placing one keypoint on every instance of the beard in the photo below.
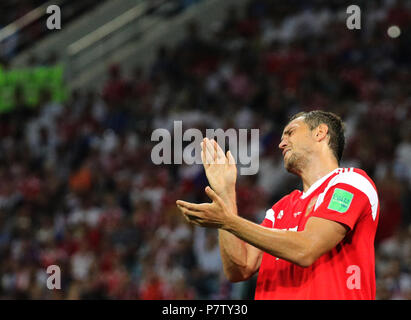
(295, 163)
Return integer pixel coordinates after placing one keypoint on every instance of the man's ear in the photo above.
(321, 132)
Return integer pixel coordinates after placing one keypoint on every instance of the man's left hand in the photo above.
(211, 215)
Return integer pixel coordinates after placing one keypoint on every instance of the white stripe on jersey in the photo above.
(270, 215)
(356, 180)
(319, 182)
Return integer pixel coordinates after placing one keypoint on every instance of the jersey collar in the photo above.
(316, 184)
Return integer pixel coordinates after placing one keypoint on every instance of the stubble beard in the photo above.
(296, 163)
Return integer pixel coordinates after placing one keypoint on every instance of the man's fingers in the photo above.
(190, 216)
(203, 156)
(213, 152)
(189, 213)
(195, 207)
(209, 146)
(221, 159)
(189, 205)
(212, 195)
(183, 214)
(230, 158)
(208, 152)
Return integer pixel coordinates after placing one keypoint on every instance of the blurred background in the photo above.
(78, 105)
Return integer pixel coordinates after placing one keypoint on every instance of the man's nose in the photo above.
(283, 144)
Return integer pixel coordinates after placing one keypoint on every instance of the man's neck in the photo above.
(315, 171)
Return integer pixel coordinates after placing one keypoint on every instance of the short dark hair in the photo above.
(335, 128)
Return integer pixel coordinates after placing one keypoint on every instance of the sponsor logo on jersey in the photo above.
(340, 200)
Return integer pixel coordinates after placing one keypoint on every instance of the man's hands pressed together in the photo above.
(220, 170)
(221, 173)
(240, 259)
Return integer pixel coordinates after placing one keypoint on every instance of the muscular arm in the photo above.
(240, 259)
(302, 248)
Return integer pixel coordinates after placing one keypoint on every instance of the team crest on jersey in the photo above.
(340, 200)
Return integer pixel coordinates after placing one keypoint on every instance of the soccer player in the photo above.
(317, 243)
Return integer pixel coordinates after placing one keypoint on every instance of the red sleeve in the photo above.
(342, 203)
(268, 221)
(269, 218)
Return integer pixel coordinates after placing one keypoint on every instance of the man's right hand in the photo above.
(240, 259)
(220, 169)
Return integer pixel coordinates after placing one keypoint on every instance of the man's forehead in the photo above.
(294, 123)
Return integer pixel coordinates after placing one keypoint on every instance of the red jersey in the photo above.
(347, 271)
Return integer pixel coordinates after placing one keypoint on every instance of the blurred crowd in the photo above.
(78, 188)
(27, 32)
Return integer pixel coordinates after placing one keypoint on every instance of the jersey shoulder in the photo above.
(359, 181)
(354, 177)
(365, 175)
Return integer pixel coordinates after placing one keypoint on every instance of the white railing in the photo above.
(107, 29)
(141, 50)
(25, 20)
(93, 47)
